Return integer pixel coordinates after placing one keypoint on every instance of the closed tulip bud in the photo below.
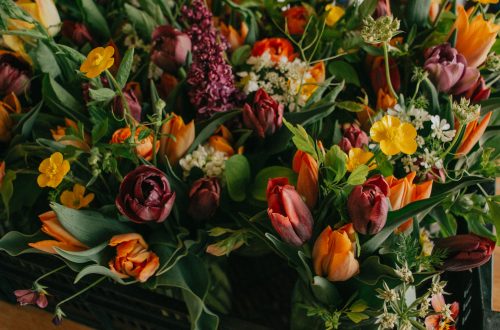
(77, 33)
(170, 48)
(465, 251)
(353, 138)
(307, 182)
(204, 198)
(368, 205)
(265, 116)
(15, 73)
(296, 19)
(289, 215)
(333, 254)
(176, 139)
(133, 104)
(478, 92)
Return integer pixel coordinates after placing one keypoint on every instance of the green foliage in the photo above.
(260, 182)
(237, 174)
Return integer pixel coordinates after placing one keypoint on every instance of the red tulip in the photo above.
(265, 116)
(170, 48)
(353, 138)
(15, 73)
(289, 214)
(378, 77)
(368, 205)
(204, 198)
(478, 92)
(465, 251)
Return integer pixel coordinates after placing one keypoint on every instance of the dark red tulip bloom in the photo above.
(170, 48)
(204, 198)
(465, 251)
(353, 137)
(15, 73)
(265, 116)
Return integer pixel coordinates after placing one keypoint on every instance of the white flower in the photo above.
(441, 129)
(409, 164)
(420, 141)
(207, 159)
(420, 116)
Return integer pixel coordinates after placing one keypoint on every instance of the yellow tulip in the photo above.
(176, 139)
(394, 137)
(52, 170)
(334, 14)
(98, 60)
(76, 199)
(357, 157)
(475, 36)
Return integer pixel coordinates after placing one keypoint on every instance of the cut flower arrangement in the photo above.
(144, 142)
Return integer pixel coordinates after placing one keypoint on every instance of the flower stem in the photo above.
(35, 283)
(80, 292)
(455, 140)
(128, 114)
(387, 71)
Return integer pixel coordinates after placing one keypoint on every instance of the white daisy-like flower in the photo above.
(409, 164)
(420, 116)
(441, 129)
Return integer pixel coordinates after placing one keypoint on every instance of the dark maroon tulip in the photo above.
(76, 32)
(378, 77)
(170, 48)
(288, 212)
(145, 195)
(368, 206)
(265, 116)
(353, 137)
(478, 92)
(448, 69)
(15, 73)
(133, 104)
(31, 297)
(465, 251)
(204, 198)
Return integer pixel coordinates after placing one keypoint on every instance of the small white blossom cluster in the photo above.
(283, 81)
(207, 159)
(441, 129)
(416, 116)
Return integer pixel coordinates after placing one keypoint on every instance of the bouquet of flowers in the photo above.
(146, 141)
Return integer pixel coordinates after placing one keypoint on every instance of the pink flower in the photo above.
(170, 48)
(440, 321)
(353, 138)
(31, 297)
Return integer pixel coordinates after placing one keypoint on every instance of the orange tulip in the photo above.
(234, 37)
(60, 132)
(472, 134)
(10, 104)
(333, 254)
(144, 148)
(176, 139)
(475, 36)
(133, 259)
(404, 191)
(222, 141)
(385, 100)
(63, 239)
(296, 19)
(310, 85)
(307, 183)
(364, 117)
(277, 48)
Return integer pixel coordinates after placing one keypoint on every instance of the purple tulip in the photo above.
(465, 251)
(368, 206)
(133, 104)
(204, 198)
(145, 195)
(353, 138)
(15, 73)
(31, 297)
(265, 116)
(288, 212)
(448, 69)
(170, 47)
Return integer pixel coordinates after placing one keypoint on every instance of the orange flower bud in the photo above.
(144, 148)
(307, 183)
(222, 141)
(385, 100)
(296, 19)
(234, 37)
(60, 132)
(176, 139)
(333, 254)
(133, 258)
(473, 133)
(277, 48)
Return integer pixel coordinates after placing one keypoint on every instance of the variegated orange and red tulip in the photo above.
(307, 182)
(473, 132)
(277, 48)
(334, 254)
(62, 238)
(403, 192)
(176, 139)
(133, 259)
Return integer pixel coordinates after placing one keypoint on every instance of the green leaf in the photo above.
(325, 291)
(7, 190)
(315, 111)
(100, 270)
(102, 94)
(367, 8)
(241, 55)
(94, 254)
(336, 160)
(494, 207)
(372, 270)
(89, 227)
(358, 176)
(345, 71)
(383, 164)
(125, 67)
(356, 317)
(237, 173)
(351, 106)
(301, 139)
(15, 243)
(143, 23)
(417, 12)
(46, 60)
(99, 130)
(448, 225)
(260, 182)
(94, 18)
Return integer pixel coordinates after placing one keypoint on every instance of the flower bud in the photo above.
(333, 254)
(130, 94)
(289, 214)
(368, 205)
(265, 116)
(353, 138)
(307, 182)
(77, 33)
(204, 198)
(465, 251)
(15, 73)
(170, 48)
(477, 92)
(31, 297)
(296, 19)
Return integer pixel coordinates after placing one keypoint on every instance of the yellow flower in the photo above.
(358, 156)
(394, 136)
(53, 170)
(334, 14)
(75, 199)
(98, 60)
(485, 2)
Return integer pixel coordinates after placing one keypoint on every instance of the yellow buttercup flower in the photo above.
(394, 136)
(76, 199)
(485, 2)
(334, 14)
(98, 60)
(53, 170)
(357, 157)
